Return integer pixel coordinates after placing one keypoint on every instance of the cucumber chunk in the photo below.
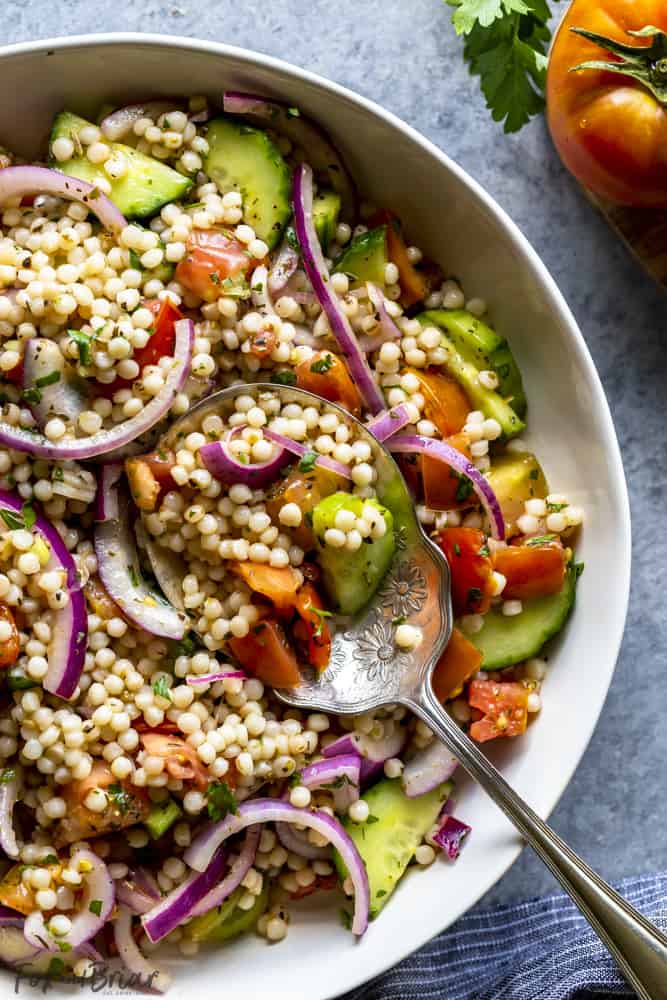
(145, 188)
(366, 257)
(395, 828)
(245, 159)
(326, 208)
(515, 478)
(228, 920)
(351, 578)
(503, 640)
(484, 348)
(161, 817)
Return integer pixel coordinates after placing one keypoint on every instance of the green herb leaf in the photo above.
(284, 378)
(64, 946)
(322, 615)
(7, 775)
(185, 646)
(345, 918)
(554, 508)
(58, 475)
(56, 967)
(220, 801)
(464, 489)
(291, 239)
(322, 365)
(505, 45)
(399, 620)
(95, 906)
(135, 261)
(372, 819)
(19, 682)
(134, 576)
(161, 688)
(31, 395)
(13, 521)
(308, 462)
(29, 515)
(294, 779)
(49, 379)
(540, 540)
(83, 341)
(120, 798)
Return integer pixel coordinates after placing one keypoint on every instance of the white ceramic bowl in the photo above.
(457, 223)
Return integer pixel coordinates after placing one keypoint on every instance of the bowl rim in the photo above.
(556, 301)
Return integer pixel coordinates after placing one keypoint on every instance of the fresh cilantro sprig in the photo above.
(505, 45)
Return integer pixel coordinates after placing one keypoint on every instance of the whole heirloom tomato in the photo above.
(607, 98)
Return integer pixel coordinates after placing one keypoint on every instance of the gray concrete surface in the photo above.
(403, 54)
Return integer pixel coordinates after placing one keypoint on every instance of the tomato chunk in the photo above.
(471, 569)
(311, 630)
(445, 403)
(181, 761)
(126, 805)
(504, 706)
(305, 489)
(531, 570)
(445, 488)
(160, 344)
(264, 652)
(212, 258)
(150, 478)
(457, 664)
(326, 375)
(414, 286)
(279, 584)
(9, 648)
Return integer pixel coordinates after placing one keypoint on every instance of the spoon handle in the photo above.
(638, 947)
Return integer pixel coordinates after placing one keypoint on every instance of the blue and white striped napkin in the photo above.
(541, 949)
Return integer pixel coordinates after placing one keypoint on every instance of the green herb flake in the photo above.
(13, 521)
(220, 801)
(56, 967)
(31, 395)
(538, 540)
(7, 775)
(58, 475)
(474, 596)
(457, 549)
(534, 474)
(121, 799)
(345, 918)
(161, 688)
(399, 620)
(64, 946)
(380, 893)
(83, 342)
(95, 906)
(322, 365)
(484, 550)
(464, 490)
(284, 378)
(372, 819)
(308, 462)
(29, 515)
(293, 113)
(322, 615)
(554, 508)
(294, 779)
(134, 576)
(49, 379)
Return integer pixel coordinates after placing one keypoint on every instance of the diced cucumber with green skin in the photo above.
(484, 348)
(365, 258)
(505, 640)
(245, 159)
(488, 401)
(515, 478)
(351, 578)
(395, 828)
(161, 817)
(228, 920)
(201, 928)
(145, 188)
(326, 208)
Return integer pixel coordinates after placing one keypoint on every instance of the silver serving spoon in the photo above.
(367, 671)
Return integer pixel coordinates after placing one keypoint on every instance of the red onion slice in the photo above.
(341, 774)
(118, 123)
(98, 889)
(428, 769)
(304, 133)
(179, 904)
(194, 679)
(297, 842)
(48, 385)
(118, 563)
(138, 891)
(122, 434)
(283, 267)
(299, 449)
(234, 876)
(9, 790)
(15, 182)
(388, 328)
(128, 951)
(386, 424)
(373, 752)
(317, 271)
(203, 848)
(69, 625)
(15, 951)
(415, 444)
(450, 836)
(226, 467)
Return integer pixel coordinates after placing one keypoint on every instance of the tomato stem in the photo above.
(646, 64)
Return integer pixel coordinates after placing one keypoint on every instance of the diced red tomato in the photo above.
(311, 630)
(150, 478)
(457, 664)
(470, 566)
(414, 287)
(15, 374)
(445, 488)
(181, 761)
(263, 343)
(504, 706)
(445, 403)
(9, 648)
(325, 882)
(531, 570)
(80, 822)
(211, 258)
(265, 653)
(305, 489)
(326, 375)
(160, 344)
(279, 584)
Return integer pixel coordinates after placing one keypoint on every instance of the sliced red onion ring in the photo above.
(98, 889)
(297, 841)
(194, 679)
(304, 133)
(283, 267)
(16, 182)
(341, 774)
(388, 328)
(299, 449)
(317, 271)
(70, 624)
(450, 836)
(128, 952)
(203, 848)
(9, 791)
(373, 752)
(138, 891)
(118, 123)
(118, 563)
(169, 571)
(15, 951)
(47, 384)
(116, 437)
(428, 769)
(179, 904)
(234, 876)
(415, 444)
(386, 424)
(226, 467)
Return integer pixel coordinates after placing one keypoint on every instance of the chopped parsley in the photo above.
(540, 540)
(308, 462)
(120, 798)
(345, 918)
(293, 113)
(372, 819)
(135, 261)
(83, 342)
(7, 775)
(554, 508)
(294, 779)
(31, 395)
(484, 550)
(19, 682)
(322, 365)
(161, 688)
(464, 488)
(474, 596)
(134, 576)
(64, 946)
(220, 801)
(380, 893)
(185, 646)
(13, 521)
(58, 475)
(534, 474)
(457, 549)
(56, 967)
(29, 515)
(95, 906)
(399, 620)
(284, 378)
(322, 615)
(49, 379)
(214, 278)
